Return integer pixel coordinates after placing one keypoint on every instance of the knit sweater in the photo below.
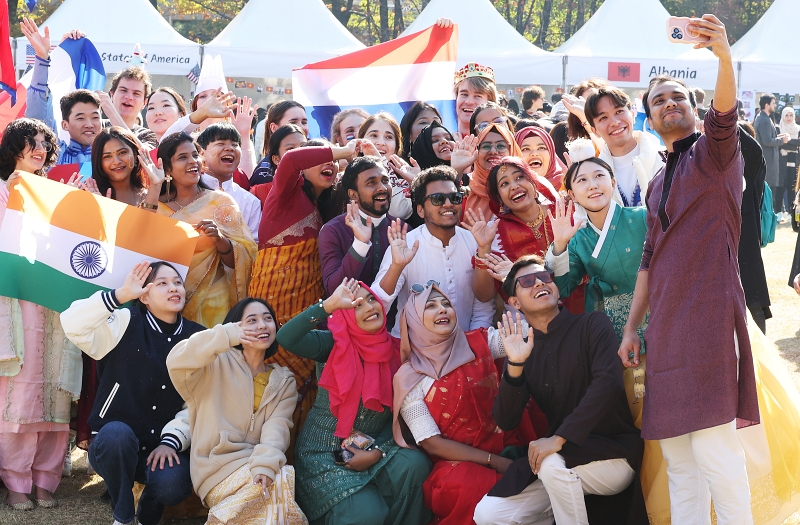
(217, 384)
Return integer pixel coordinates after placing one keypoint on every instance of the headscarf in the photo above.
(556, 169)
(546, 193)
(359, 368)
(422, 149)
(792, 129)
(424, 353)
(479, 193)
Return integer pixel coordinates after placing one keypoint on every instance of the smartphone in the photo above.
(338, 458)
(677, 32)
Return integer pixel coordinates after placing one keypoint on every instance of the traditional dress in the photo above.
(211, 287)
(478, 198)
(388, 492)
(287, 272)
(40, 375)
(454, 401)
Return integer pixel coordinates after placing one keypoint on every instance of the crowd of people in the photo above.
(537, 317)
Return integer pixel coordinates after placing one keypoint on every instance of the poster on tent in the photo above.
(161, 59)
(637, 73)
(747, 97)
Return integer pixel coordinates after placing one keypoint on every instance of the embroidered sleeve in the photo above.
(496, 343)
(416, 414)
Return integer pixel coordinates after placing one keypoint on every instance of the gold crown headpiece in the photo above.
(474, 70)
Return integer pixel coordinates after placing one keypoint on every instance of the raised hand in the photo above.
(465, 153)
(246, 336)
(39, 42)
(74, 181)
(563, 229)
(243, 118)
(403, 169)
(710, 27)
(348, 151)
(361, 231)
(518, 345)
(499, 266)
(90, 185)
(343, 297)
(401, 253)
(483, 231)
(444, 22)
(366, 147)
(575, 105)
(134, 287)
(13, 180)
(217, 105)
(155, 174)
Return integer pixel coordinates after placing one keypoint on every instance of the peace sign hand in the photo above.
(563, 229)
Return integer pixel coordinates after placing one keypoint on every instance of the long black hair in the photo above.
(137, 177)
(235, 315)
(408, 120)
(166, 150)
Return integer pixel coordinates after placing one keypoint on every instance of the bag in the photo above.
(769, 219)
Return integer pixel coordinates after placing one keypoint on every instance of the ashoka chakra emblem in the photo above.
(88, 259)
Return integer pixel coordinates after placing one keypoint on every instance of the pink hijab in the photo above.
(424, 353)
(556, 169)
(359, 369)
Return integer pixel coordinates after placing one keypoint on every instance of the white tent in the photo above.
(626, 42)
(768, 54)
(115, 27)
(486, 38)
(269, 38)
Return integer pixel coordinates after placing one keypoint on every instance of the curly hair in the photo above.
(20, 135)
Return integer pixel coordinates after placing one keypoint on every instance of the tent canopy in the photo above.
(115, 27)
(268, 40)
(768, 52)
(626, 42)
(486, 38)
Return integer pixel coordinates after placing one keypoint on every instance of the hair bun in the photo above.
(580, 150)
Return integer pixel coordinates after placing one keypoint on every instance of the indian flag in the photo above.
(59, 244)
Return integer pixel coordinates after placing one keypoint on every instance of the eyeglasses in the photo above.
(35, 144)
(499, 147)
(419, 288)
(483, 125)
(438, 199)
(527, 281)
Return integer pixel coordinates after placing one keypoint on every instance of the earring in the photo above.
(168, 179)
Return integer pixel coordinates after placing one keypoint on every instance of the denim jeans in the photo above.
(116, 455)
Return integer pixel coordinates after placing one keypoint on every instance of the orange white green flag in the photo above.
(59, 244)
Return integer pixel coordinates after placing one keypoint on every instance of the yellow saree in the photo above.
(211, 287)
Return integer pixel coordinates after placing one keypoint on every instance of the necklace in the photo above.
(536, 227)
(175, 200)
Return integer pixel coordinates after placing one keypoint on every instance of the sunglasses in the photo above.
(527, 281)
(438, 199)
(419, 288)
(499, 147)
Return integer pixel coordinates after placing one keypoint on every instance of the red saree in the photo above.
(461, 403)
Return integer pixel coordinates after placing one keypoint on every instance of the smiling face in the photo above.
(441, 143)
(258, 318)
(162, 112)
(117, 161)
(467, 99)
(539, 298)
(671, 113)
(488, 116)
(535, 154)
(185, 169)
(592, 186)
(369, 312)
(445, 216)
(321, 177)
(348, 127)
(128, 98)
(84, 123)
(295, 115)
(614, 124)
(516, 192)
(439, 316)
(289, 142)
(374, 191)
(167, 296)
(488, 157)
(33, 158)
(382, 135)
(222, 158)
(423, 120)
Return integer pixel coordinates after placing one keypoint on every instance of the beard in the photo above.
(375, 209)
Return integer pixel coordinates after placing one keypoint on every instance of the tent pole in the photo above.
(564, 61)
(14, 57)
(202, 54)
(739, 75)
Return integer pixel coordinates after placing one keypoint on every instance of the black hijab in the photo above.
(422, 149)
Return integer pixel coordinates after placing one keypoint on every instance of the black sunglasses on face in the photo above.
(438, 199)
(527, 281)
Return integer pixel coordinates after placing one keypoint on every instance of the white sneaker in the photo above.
(134, 522)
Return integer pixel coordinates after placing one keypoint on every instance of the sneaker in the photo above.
(783, 217)
(134, 522)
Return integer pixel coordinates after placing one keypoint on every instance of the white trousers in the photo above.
(704, 465)
(558, 493)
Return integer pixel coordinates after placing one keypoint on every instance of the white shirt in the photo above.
(249, 205)
(625, 174)
(450, 266)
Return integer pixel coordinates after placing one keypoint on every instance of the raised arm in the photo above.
(39, 104)
(725, 90)
(189, 360)
(340, 260)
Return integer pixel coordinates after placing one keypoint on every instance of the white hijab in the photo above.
(792, 129)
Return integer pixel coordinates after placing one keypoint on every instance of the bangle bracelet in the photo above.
(229, 249)
(512, 363)
(147, 206)
(489, 461)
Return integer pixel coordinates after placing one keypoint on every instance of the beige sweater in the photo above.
(217, 384)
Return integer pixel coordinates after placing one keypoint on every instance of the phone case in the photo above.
(677, 33)
(355, 439)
